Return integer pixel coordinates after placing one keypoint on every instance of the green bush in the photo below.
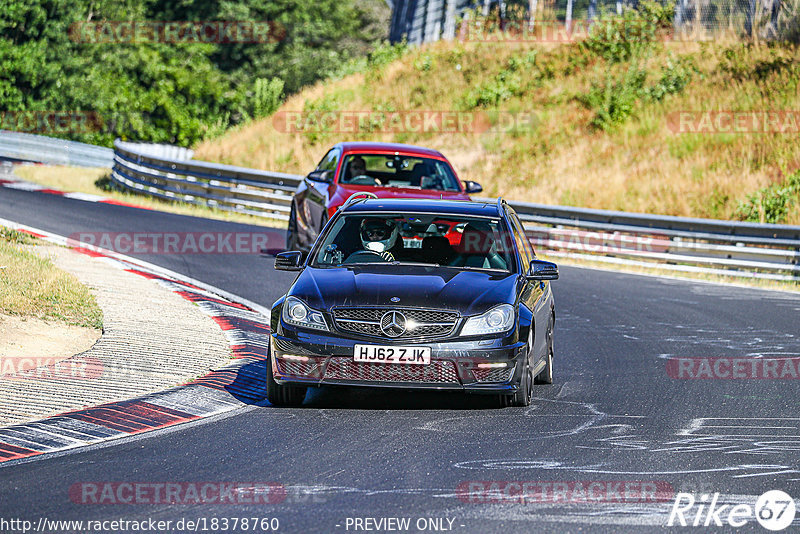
(740, 63)
(373, 63)
(268, 96)
(771, 204)
(385, 53)
(614, 100)
(513, 80)
(424, 63)
(675, 76)
(618, 38)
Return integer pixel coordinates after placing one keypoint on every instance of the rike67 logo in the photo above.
(774, 510)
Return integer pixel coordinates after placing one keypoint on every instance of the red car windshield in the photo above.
(390, 170)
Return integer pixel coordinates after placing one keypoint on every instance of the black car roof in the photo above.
(453, 207)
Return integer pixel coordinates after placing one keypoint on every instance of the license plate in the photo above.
(412, 243)
(392, 354)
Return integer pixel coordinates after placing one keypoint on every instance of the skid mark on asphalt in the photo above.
(511, 464)
(740, 448)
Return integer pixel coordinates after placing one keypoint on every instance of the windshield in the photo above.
(449, 241)
(390, 170)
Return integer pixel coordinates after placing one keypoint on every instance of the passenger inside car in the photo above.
(478, 248)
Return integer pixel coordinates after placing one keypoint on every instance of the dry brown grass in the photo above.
(640, 166)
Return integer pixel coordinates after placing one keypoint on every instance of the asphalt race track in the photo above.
(613, 415)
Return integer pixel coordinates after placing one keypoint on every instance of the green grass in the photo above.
(31, 286)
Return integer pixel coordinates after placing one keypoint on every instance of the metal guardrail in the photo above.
(672, 243)
(28, 147)
(226, 187)
(711, 246)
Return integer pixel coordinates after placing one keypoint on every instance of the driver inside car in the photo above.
(357, 171)
(357, 167)
(381, 237)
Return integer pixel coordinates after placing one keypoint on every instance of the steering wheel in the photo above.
(364, 255)
(363, 179)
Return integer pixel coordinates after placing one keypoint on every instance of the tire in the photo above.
(291, 230)
(283, 395)
(524, 394)
(546, 375)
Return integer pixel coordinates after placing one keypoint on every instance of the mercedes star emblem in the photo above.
(393, 323)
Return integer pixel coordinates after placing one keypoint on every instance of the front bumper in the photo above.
(473, 366)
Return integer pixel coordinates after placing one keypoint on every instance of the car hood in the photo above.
(469, 292)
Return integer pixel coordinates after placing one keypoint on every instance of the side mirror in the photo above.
(472, 187)
(542, 270)
(321, 176)
(289, 261)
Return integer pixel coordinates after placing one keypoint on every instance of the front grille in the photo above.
(311, 368)
(366, 322)
(492, 375)
(438, 372)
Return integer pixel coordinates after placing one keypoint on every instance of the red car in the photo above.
(386, 169)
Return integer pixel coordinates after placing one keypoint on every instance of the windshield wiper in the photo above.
(417, 263)
(360, 263)
(480, 269)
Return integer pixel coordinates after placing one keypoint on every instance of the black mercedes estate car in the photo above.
(419, 294)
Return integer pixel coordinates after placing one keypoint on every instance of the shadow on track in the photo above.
(247, 384)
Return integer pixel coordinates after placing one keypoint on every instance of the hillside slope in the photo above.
(606, 129)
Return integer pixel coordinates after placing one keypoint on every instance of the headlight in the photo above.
(498, 319)
(295, 312)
